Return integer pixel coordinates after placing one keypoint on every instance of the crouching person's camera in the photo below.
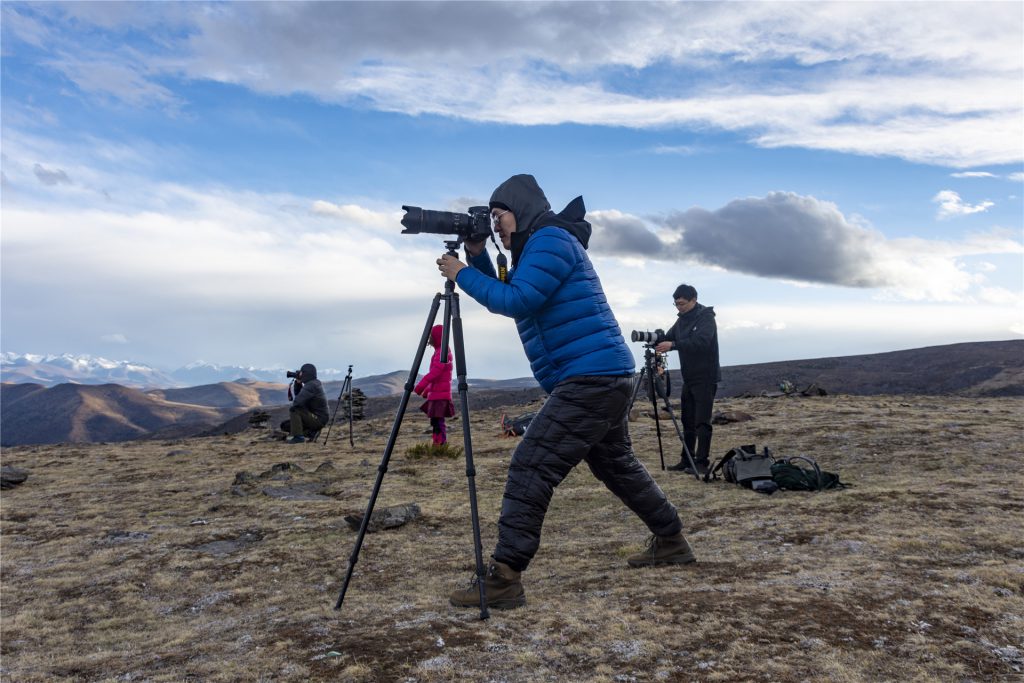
(292, 374)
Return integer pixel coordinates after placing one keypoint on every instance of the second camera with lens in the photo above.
(650, 338)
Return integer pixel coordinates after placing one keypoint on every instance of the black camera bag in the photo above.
(744, 466)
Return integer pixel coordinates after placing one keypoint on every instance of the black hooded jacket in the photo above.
(312, 396)
(695, 336)
(521, 195)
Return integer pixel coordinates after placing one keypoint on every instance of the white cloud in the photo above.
(951, 205)
(973, 174)
(1016, 177)
(116, 338)
(929, 82)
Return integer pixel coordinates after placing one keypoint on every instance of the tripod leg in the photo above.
(636, 388)
(383, 467)
(337, 405)
(453, 316)
(682, 440)
(657, 420)
(351, 442)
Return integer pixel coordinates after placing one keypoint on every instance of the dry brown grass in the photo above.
(915, 574)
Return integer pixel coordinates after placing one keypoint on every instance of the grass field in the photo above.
(140, 562)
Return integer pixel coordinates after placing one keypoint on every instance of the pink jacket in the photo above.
(437, 383)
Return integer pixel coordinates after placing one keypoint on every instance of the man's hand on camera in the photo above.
(476, 247)
(663, 347)
(449, 266)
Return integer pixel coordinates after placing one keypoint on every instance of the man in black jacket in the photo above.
(308, 412)
(695, 336)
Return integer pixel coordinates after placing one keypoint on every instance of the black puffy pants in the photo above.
(698, 402)
(584, 418)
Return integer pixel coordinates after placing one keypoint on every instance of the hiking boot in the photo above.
(502, 588)
(297, 439)
(664, 550)
(702, 468)
(679, 466)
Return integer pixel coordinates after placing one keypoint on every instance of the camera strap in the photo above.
(502, 262)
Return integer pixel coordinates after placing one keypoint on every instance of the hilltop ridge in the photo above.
(34, 414)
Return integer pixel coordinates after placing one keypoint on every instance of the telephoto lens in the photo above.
(645, 337)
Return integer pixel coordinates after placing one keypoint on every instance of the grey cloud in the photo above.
(782, 235)
(51, 177)
(620, 235)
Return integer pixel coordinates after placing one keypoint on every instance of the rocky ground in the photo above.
(198, 560)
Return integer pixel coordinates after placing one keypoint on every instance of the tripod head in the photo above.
(453, 246)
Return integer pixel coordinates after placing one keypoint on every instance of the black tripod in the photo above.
(655, 389)
(452, 323)
(346, 387)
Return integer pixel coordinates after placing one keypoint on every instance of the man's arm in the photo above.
(547, 261)
(304, 396)
(477, 257)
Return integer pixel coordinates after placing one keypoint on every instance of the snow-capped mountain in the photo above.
(49, 370)
(200, 372)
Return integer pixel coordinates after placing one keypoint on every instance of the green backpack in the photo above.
(792, 477)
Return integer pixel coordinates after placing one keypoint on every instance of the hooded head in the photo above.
(521, 195)
(308, 372)
(436, 332)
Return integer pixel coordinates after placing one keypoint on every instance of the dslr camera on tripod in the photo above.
(648, 338)
(472, 226)
(657, 363)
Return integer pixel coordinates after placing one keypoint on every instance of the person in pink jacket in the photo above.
(436, 387)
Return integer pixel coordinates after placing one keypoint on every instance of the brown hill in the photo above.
(114, 413)
(969, 369)
(32, 414)
(244, 394)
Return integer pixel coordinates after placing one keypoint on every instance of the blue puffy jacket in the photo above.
(555, 296)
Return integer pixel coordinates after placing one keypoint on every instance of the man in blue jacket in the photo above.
(578, 355)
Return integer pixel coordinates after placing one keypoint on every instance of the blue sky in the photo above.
(223, 181)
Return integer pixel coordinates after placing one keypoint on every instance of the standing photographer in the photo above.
(579, 357)
(308, 412)
(695, 336)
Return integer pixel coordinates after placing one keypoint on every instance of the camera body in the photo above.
(474, 225)
(649, 338)
(292, 374)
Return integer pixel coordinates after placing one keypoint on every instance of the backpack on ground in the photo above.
(746, 467)
(516, 426)
(791, 476)
(764, 473)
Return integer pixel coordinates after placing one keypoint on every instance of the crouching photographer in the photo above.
(695, 336)
(308, 413)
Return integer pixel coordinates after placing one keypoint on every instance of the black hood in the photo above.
(521, 195)
(308, 372)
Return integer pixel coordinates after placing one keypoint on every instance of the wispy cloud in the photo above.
(973, 174)
(50, 176)
(936, 83)
(951, 205)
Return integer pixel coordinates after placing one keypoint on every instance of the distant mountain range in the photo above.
(33, 413)
(50, 370)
